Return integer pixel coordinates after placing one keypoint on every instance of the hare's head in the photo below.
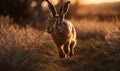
(55, 22)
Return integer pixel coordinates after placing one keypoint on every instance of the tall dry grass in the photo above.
(95, 29)
(23, 48)
(27, 49)
(107, 32)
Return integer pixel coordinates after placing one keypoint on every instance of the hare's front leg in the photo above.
(66, 48)
(60, 51)
(72, 45)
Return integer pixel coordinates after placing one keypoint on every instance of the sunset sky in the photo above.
(96, 1)
(80, 1)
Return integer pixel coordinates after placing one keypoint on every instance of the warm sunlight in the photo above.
(54, 2)
(97, 1)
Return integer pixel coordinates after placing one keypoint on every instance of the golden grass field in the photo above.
(28, 49)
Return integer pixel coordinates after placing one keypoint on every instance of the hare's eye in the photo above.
(49, 20)
(49, 27)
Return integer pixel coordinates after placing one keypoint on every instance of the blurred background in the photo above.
(26, 46)
(36, 11)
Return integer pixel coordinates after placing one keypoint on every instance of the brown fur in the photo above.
(62, 31)
(65, 40)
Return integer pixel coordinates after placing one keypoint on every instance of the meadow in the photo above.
(29, 49)
(26, 46)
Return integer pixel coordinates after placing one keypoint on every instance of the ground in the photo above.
(28, 49)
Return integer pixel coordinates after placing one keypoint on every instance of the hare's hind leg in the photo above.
(72, 45)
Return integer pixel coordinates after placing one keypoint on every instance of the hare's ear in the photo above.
(51, 8)
(64, 9)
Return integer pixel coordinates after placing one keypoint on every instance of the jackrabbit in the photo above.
(62, 30)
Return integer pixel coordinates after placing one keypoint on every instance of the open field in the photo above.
(27, 49)
(26, 46)
(100, 12)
